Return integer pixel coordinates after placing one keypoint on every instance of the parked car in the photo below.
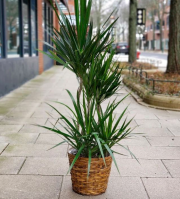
(122, 48)
(113, 47)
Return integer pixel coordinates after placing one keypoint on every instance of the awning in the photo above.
(64, 2)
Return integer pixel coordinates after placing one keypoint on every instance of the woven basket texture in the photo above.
(97, 182)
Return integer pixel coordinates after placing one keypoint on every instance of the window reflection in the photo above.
(0, 33)
(51, 25)
(12, 18)
(44, 25)
(26, 27)
(47, 24)
(33, 27)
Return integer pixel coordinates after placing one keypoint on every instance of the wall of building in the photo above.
(16, 71)
(165, 32)
(17, 65)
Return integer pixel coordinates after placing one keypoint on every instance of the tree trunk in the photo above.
(132, 30)
(161, 35)
(174, 39)
(154, 37)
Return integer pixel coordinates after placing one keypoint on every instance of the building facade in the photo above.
(23, 26)
(150, 30)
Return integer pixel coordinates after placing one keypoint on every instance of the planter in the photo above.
(155, 100)
(97, 182)
(126, 71)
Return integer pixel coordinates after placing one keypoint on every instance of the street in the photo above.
(156, 58)
(157, 55)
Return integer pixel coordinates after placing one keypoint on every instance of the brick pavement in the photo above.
(28, 170)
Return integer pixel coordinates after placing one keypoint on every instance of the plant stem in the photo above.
(79, 93)
(80, 88)
(99, 110)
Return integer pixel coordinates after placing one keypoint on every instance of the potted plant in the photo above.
(93, 129)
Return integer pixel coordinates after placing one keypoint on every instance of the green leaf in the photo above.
(110, 152)
(75, 158)
(100, 147)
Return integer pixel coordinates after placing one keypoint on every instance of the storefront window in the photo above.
(44, 25)
(0, 32)
(49, 24)
(33, 27)
(26, 27)
(12, 19)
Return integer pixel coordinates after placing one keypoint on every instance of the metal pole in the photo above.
(153, 84)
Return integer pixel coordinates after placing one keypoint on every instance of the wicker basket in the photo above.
(98, 178)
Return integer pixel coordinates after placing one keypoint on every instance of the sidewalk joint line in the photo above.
(4, 149)
(145, 188)
(61, 187)
(167, 168)
(22, 165)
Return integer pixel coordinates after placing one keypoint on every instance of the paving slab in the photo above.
(170, 123)
(21, 114)
(142, 116)
(9, 129)
(164, 141)
(28, 128)
(148, 123)
(16, 138)
(118, 187)
(43, 114)
(10, 165)
(153, 131)
(52, 138)
(28, 187)
(143, 168)
(135, 141)
(45, 166)
(35, 150)
(165, 114)
(173, 167)
(146, 152)
(22, 120)
(175, 130)
(162, 188)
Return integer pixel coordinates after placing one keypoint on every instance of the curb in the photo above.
(126, 71)
(144, 98)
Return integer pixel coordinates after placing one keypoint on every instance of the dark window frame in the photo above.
(36, 26)
(45, 24)
(3, 30)
(48, 19)
(21, 35)
(3, 24)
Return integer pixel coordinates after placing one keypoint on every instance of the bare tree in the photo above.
(100, 10)
(123, 21)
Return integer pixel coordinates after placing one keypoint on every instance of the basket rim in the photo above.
(86, 158)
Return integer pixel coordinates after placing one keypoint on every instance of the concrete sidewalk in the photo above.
(28, 170)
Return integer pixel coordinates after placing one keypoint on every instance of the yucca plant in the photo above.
(91, 131)
(75, 43)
